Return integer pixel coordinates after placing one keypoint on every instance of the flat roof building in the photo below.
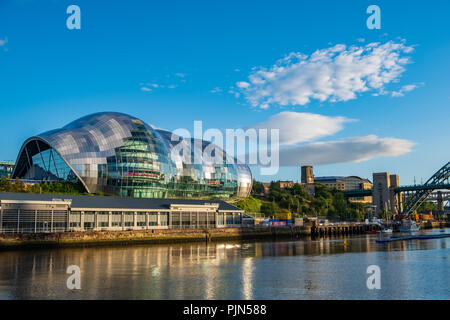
(35, 213)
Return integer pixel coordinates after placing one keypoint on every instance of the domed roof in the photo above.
(116, 153)
(95, 135)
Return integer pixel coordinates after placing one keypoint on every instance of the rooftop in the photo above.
(104, 202)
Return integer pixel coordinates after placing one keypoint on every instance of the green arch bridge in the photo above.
(418, 193)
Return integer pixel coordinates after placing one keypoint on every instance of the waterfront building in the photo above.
(345, 183)
(350, 183)
(341, 183)
(117, 154)
(37, 213)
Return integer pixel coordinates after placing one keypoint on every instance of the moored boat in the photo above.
(386, 230)
(409, 226)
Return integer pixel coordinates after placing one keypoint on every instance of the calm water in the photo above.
(321, 269)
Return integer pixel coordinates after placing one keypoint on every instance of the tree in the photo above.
(257, 187)
(426, 207)
(386, 214)
(5, 185)
(269, 208)
(299, 190)
(249, 205)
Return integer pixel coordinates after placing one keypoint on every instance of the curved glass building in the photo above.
(117, 154)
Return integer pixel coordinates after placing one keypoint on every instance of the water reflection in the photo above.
(330, 268)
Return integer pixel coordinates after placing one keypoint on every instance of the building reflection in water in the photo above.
(304, 269)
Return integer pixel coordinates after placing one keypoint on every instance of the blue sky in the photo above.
(192, 53)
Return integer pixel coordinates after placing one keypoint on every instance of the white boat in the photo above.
(386, 230)
(409, 226)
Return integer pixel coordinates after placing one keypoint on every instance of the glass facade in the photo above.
(114, 153)
(49, 166)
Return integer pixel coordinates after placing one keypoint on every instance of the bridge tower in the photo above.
(396, 198)
(440, 202)
(384, 196)
(381, 196)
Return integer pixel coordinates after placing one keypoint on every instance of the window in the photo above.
(164, 218)
(102, 219)
(186, 220)
(211, 219)
(220, 218)
(175, 220)
(229, 218)
(116, 219)
(152, 218)
(75, 219)
(129, 219)
(140, 218)
(237, 218)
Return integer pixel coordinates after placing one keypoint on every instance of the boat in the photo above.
(414, 237)
(409, 226)
(386, 230)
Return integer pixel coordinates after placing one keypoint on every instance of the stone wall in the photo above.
(143, 236)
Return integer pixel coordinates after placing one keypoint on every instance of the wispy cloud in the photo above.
(337, 73)
(216, 90)
(405, 88)
(3, 42)
(299, 130)
(170, 82)
(346, 150)
(297, 127)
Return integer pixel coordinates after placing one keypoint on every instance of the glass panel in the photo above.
(114, 153)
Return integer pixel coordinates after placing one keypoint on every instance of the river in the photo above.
(328, 268)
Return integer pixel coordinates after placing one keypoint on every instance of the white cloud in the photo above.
(3, 42)
(216, 90)
(346, 150)
(169, 83)
(337, 73)
(405, 88)
(243, 84)
(296, 127)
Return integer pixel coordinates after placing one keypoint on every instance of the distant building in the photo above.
(6, 168)
(307, 179)
(336, 182)
(266, 186)
(285, 184)
(332, 182)
(384, 197)
(345, 183)
(307, 175)
(348, 184)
